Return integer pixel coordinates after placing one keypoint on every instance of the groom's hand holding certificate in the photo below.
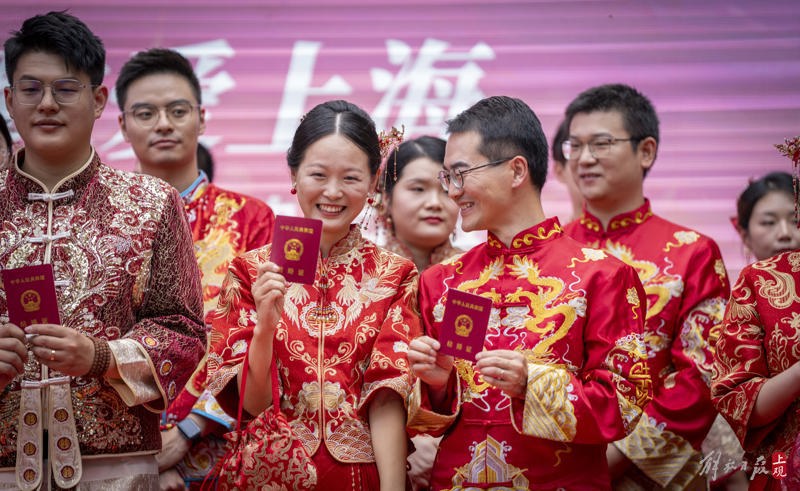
(463, 329)
(31, 295)
(295, 247)
(31, 299)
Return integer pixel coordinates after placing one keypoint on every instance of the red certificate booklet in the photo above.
(31, 295)
(466, 317)
(295, 247)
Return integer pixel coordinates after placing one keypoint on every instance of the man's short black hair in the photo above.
(508, 127)
(61, 34)
(638, 114)
(153, 61)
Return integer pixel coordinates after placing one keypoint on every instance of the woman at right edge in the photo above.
(756, 382)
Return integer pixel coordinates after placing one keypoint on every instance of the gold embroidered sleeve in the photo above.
(137, 383)
(388, 366)
(422, 419)
(548, 412)
(660, 454)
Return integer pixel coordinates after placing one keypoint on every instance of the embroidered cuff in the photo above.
(659, 454)
(548, 412)
(425, 420)
(137, 383)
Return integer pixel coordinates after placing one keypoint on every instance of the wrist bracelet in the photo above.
(102, 358)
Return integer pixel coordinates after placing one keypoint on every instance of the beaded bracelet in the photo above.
(102, 358)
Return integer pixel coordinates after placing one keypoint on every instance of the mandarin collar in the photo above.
(527, 240)
(621, 222)
(76, 182)
(195, 189)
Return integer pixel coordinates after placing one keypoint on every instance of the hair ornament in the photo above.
(791, 148)
(388, 140)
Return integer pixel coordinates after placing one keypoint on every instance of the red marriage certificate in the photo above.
(295, 247)
(466, 317)
(31, 295)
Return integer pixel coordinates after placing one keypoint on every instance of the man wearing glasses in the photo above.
(80, 398)
(612, 144)
(563, 370)
(162, 118)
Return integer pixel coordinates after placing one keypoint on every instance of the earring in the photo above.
(366, 217)
(294, 189)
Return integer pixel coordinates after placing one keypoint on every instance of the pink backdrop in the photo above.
(723, 74)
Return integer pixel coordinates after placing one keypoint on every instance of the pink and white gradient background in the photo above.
(724, 76)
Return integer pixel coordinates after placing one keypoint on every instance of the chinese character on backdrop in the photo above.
(430, 88)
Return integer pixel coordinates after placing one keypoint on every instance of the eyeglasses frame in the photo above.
(81, 85)
(448, 177)
(193, 108)
(614, 141)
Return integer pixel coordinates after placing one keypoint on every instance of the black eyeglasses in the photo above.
(457, 176)
(30, 92)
